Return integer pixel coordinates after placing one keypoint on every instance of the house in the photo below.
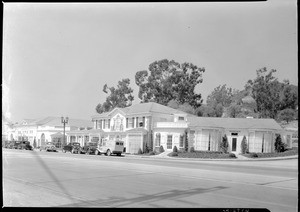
(151, 125)
(39, 131)
(205, 133)
(134, 125)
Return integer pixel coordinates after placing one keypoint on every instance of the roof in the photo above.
(234, 123)
(56, 121)
(148, 107)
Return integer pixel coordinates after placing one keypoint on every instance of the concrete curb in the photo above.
(207, 159)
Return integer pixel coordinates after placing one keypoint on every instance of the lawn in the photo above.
(289, 152)
(203, 154)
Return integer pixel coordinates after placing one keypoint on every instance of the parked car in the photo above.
(110, 147)
(49, 146)
(73, 147)
(16, 145)
(89, 148)
(10, 145)
(25, 145)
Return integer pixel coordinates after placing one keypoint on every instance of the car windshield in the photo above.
(76, 144)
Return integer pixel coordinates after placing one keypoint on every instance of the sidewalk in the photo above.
(241, 158)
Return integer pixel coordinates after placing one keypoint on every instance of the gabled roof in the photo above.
(56, 121)
(144, 108)
(234, 123)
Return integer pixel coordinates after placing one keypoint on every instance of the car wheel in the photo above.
(108, 153)
(96, 152)
(72, 151)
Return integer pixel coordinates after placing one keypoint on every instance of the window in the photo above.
(104, 124)
(181, 140)
(132, 122)
(234, 134)
(157, 139)
(126, 122)
(169, 142)
(141, 124)
(100, 124)
(108, 124)
(181, 118)
(117, 143)
(144, 120)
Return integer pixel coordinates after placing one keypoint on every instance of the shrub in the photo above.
(161, 149)
(224, 144)
(279, 145)
(151, 153)
(174, 154)
(175, 149)
(232, 155)
(186, 142)
(192, 149)
(140, 151)
(253, 155)
(244, 146)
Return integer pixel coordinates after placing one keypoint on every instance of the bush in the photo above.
(224, 144)
(279, 145)
(231, 155)
(140, 151)
(174, 154)
(161, 149)
(244, 146)
(253, 155)
(175, 149)
(192, 149)
(151, 153)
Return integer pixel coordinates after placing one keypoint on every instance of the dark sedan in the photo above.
(89, 148)
(73, 147)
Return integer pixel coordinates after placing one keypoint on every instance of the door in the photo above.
(233, 147)
(169, 142)
(134, 143)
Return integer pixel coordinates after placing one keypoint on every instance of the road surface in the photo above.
(49, 179)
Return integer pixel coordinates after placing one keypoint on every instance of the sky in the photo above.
(58, 56)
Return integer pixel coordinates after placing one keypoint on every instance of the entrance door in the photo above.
(233, 149)
(169, 142)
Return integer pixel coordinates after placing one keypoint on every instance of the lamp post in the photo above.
(64, 121)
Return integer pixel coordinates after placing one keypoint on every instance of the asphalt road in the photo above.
(48, 179)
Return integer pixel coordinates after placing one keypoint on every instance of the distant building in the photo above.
(42, 130)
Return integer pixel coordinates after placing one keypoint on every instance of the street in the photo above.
(49, 179)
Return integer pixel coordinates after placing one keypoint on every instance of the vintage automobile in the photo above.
(110, 147)
(89, 148)
(16, 145)
(25, 145)
(73, 147)
(49, 147)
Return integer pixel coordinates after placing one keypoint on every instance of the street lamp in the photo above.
(64, 121)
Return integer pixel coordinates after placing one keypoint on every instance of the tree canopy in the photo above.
(117, 97)
(168, 80)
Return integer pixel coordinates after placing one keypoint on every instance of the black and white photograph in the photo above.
(175, 105)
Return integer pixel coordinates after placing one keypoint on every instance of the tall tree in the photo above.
(221, 95)
(117, 97)
(265, 90)
(168, 80)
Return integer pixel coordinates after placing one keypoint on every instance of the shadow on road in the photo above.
(54, 178)
(143, 200)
